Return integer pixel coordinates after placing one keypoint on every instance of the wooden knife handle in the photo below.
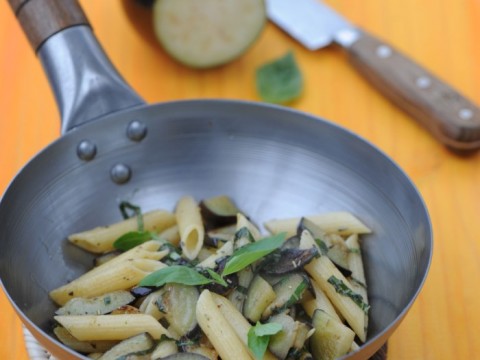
(450, 117)
(41, 19)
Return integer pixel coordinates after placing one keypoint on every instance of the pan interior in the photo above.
(273, 162)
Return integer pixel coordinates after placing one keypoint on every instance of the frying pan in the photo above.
(273, 161)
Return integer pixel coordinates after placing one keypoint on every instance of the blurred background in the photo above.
(442, 35)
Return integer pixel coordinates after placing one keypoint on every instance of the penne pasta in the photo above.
(218, 330)
(120, 276)
(101, 239)
(237, 321)
(110, 327)
(321, 270)
(341, 222)
(190, 226)
(171, 235)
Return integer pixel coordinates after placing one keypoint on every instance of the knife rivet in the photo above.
(423, 82)
(136, 130)
(383, 51)
(465, 114)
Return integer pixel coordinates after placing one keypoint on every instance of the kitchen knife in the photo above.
(448, 115)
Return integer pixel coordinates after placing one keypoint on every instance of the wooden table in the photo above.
(441, 34)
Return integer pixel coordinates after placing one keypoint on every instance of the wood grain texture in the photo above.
(441, 35)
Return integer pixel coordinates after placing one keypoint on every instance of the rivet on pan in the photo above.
(136, 130)
(120, 173)
(423, 82)
(465, 114)
(383, 51)
(86, 150)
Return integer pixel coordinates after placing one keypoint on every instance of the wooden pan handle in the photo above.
(41, 19)
(450, 117)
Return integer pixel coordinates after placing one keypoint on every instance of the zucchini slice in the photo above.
(281, 343)
(164, 349)
(331, 338)
(96, 306)
(260, 294)
(288, 291)
(207, 33)
(178, 303)
(136, 345)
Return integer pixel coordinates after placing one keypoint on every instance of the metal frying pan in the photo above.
(275, 162)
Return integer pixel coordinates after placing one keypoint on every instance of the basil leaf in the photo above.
(217, 278)
(179, 274)
(132, 239)
(343, 289)
(280, 81)
(259, 337)
(250, 253)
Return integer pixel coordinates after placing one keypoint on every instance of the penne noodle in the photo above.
(211, 261)
(190, 226)
(120, 276)
(341, 222)
(171, 235)
(237, 321)
(321, 269)
(218, 330)
(320, 301)
(101, 239)
(110, 327)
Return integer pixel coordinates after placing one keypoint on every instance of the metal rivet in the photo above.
(383, 51)
(423, 82)
(465, 114)
(136, 130)
(86, 150)
(120, 173)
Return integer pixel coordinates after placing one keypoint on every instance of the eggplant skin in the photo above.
(288, 260)
(218, 211)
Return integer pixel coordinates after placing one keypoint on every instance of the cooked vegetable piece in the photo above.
(164, 349)
(281, 343)
(331, 338)
(138, 344)
(96, 306)
(238, 295)
(178, 303)
(140, 291)
(288, 292)
(260, 294)
(82, 346)
(288, 260)
(218, 211)
(207, 33)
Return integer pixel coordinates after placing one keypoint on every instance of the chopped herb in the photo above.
(250, 253)
(107, 300)
(244, 233)
(323, 247)
(280, 81)
(125, 205)
(259, 337)
(343, 289)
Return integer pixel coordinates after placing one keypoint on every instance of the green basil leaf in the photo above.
(132, 239)
(217, 278)
(280, 81)
(250, 253)
(259, 337)
(179, 274)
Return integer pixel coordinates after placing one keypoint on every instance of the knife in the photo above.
(449, 116)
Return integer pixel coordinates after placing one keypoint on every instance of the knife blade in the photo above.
(448, 115)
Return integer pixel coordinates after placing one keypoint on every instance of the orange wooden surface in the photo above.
(441, 34)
